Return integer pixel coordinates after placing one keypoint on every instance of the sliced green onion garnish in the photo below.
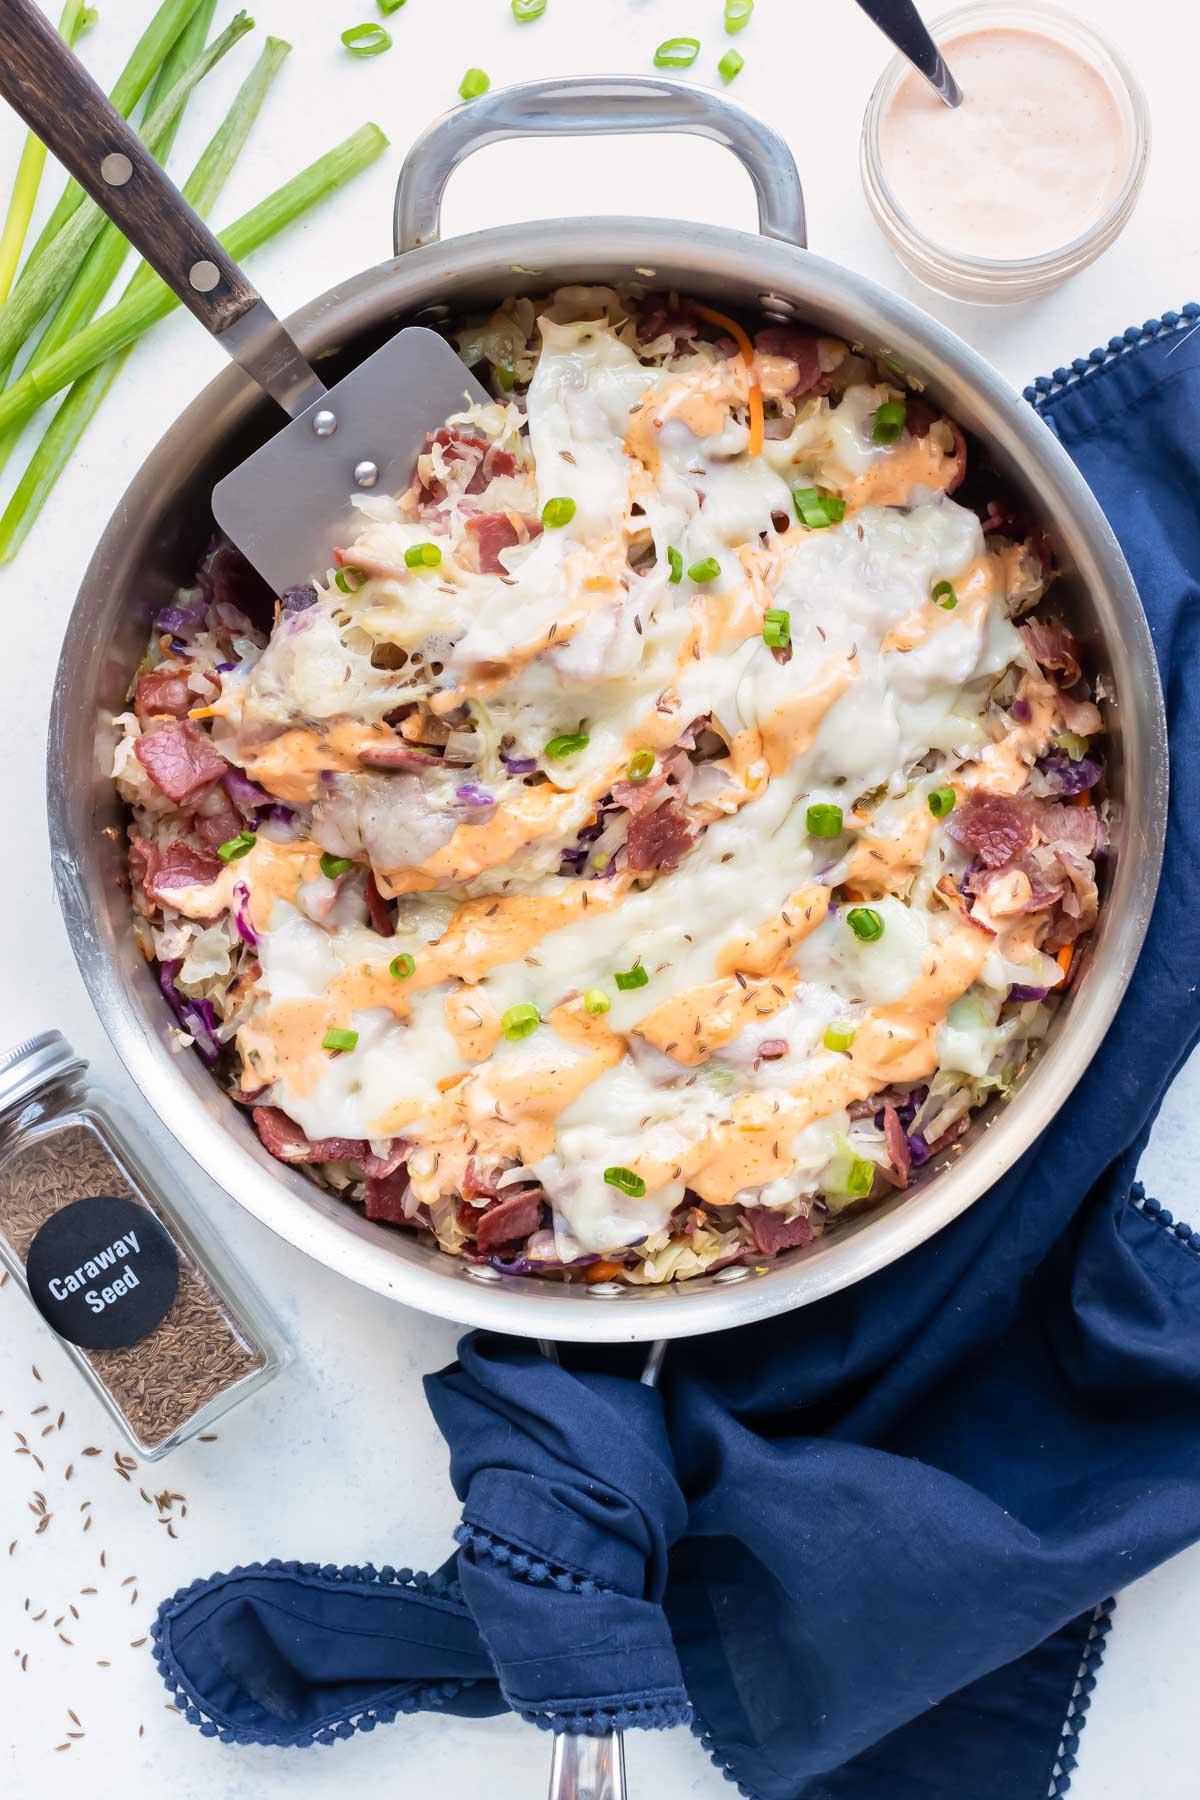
(838, 1037)
(350, 579)
(333, 866)
(824, 821)
(402, 966)
(1075, 746)
(558, 512)
(812, 509)
(625, 1179)
(737, 15)
(889, 422)
(474, 83)
(641, 766)
(675, 559)
(234, 848)
(777, 628)
(520, 1021)
(835, 507)
(596, 1001)
(676, 53)
(944, 596)
(367, 40)
(569, 744)
(423, 556)
(528, 9)
(389, 6)
(730, 65)
(337, 1038)
(631, 978)
(941, 801)
(865, 923)
(707, 569)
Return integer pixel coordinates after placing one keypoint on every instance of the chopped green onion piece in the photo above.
(631, 978)
(812, 508)
(737, 15)
(528, 9)
(520, 1021)
(423, 556)
(941, 801)
(558, 512)
(675, 559)
(333, 866)
(337, 1038)
(824, 821)
(641, 766)
(677, 53)
(474, 83)
(402, 966)
(596, 1001)
(730, 65)
(838, 1037)
(626, 1180)
(367, 40)
(1074, 745)
(889, 422)
(234, 848)
(389, 6)
(569, 744)
(835, 507)
(707, 569)
(350, 579)
(865, 923)
(944, 596)
(777, 628)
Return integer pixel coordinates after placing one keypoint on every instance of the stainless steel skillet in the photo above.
(161, 526)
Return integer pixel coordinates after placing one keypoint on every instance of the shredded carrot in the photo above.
(203, 712)
(603, 1271)
(1063, 959)
(746, 348)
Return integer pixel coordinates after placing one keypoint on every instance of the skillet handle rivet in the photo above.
(324, 422)
(116, 169)
(204, 276)
(366, 474)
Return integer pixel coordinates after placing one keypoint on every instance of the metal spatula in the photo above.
(288, 504)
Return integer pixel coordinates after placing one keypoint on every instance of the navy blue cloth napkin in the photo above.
(865, 1549)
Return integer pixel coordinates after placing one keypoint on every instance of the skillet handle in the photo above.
(596, 105)
(59, 101)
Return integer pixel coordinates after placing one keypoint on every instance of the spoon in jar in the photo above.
(900, 21)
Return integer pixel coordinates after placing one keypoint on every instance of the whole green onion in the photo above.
(865, 923)
(422, 556)
(941, 801)
(333, 866)
(367, 40)
(76, 17)
(520, 1021)
(402, 966)
(569, 744)
(627, 979)
(824, 821)
(737, 15)
(234, 848)
(777, 628)
(596, 1001)
(707, 569)
(945, 596)
(201, 190)
(641, 766)
(558, 512)
(126, 321)
(675, 562)
(889, 422)
(626, 1180)
(838, 1037)
(474, 83)
(730, 66)
(528, 9)
(338, 1038)
(677, 53)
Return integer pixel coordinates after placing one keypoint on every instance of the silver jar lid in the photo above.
(28, 1066)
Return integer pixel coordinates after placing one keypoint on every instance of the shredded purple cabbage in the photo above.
(196, 1016)
(1062, 776)
(918, 1149)
(1022, 712)
(241, 914)
(1021, 994)
(182, 622)
(246, 795)
(519, 765)
(298, 599)
(473, 795)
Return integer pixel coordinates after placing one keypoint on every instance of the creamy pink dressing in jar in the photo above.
(1027, 181)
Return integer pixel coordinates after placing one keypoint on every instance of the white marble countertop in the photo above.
(340, 1459)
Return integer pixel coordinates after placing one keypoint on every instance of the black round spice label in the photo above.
(103, 1272)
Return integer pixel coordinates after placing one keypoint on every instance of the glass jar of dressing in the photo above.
(1031, 178)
